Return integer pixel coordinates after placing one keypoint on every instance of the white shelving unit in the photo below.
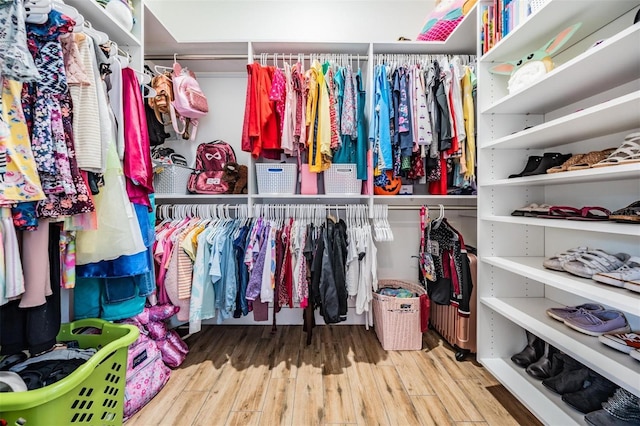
(578, 107)
(130, 41)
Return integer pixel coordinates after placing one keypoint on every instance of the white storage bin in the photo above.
(341, 179)
(276, 178)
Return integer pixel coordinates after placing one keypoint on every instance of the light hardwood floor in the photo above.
(244, 375)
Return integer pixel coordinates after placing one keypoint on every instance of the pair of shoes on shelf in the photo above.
(628, 343)
(582, 161)
(628, 152)
(538, 165)
(580, 387)
(587, 213)
(537, 358)
(622, 409)
(532, 210)
(591, 319)
(628, 214)
(592, 262)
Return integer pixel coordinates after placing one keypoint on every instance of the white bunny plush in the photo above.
(533, 66)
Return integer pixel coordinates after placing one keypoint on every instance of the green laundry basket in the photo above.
(92, 395)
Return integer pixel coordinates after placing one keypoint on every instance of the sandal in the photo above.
(532, 210)
(561, 212)
(575, 159)
(629, 152)
(629, 214)
(591, 158)
(592, 213)
(586, 265)
(556, 262)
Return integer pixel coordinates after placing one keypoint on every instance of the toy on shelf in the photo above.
(535, 65)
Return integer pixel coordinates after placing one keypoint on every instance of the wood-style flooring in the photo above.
(244, 375)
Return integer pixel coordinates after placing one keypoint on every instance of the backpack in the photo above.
(161, 102)
(146, 373)
(211, 158)
(189, 102)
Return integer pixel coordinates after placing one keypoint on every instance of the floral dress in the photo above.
(48, 112)
(20, 182)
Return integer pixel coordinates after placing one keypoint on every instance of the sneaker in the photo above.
(635, 354)
(561, 314)
(633, 285)
(625, 342)
(628, 272)
(599, 322)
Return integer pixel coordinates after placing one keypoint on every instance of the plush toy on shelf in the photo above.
(533, 66)
(237, 177)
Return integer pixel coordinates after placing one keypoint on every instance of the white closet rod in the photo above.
(334, 207)
(240, 56)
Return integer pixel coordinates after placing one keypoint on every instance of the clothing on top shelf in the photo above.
(316, 113)
(423, 123)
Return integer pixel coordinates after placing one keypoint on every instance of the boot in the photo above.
(549, 160)
(622, 409)
(570, 379)
(532, 164)
(548, 365)
(596, 390)
(530, 353)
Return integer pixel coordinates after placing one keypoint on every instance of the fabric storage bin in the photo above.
(277, 178)
(341, 179)
(171, 179)
(397, 320)
(92, 394)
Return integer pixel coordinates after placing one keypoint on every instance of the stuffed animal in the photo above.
(243, 180)
(236, 177)
(532, 67)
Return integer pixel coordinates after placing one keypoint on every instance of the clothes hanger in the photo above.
(98, 37)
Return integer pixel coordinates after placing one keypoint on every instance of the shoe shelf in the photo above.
(581, 77)
(530, 313)
(544, 404)
(531, 267)
(608, 227)
(599, 174)
(102, 21)
(613, 116)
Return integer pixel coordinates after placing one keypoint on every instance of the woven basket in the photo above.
(397, 320)
(171, 179)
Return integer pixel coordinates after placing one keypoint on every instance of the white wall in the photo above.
(300, 20)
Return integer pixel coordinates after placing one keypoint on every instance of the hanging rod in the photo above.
(240, 56)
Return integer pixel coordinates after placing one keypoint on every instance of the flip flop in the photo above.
(592, 214)
(532, 209)
(561, 212)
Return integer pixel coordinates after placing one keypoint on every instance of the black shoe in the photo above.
(531, 353)
(549, 160)
(532, 164)
(596, 390)
(570, 379)
(547, 366)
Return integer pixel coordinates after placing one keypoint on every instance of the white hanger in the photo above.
(98, 37)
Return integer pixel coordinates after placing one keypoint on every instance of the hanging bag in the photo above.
(189, 102)
(161, 102)
(427, 267)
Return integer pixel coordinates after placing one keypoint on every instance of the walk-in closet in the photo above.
(402, 212)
